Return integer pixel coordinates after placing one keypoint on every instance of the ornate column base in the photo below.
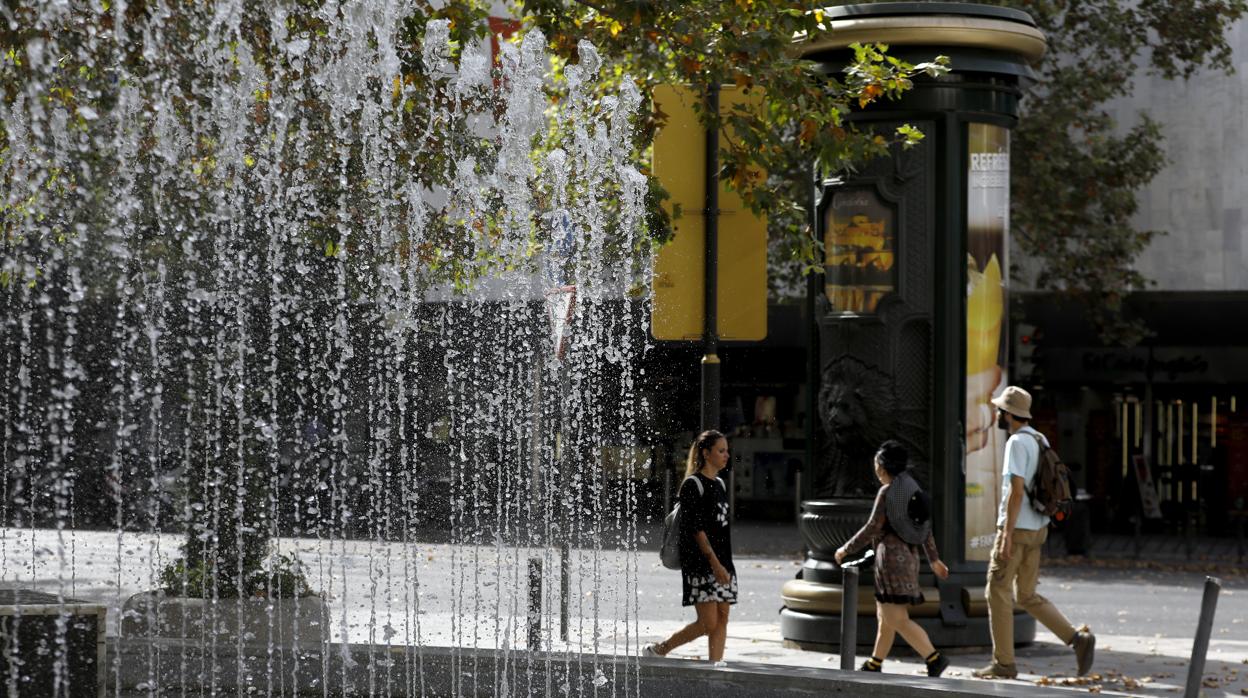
(821, 632)
(954, 612)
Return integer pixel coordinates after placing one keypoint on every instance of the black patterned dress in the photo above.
(706, 511)
(896, 561)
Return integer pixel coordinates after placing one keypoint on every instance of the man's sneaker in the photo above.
(650, 650)
(996, 671)
(937, 665)
(1085, 647)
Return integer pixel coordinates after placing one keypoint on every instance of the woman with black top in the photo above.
(897, 528)
(709, 578)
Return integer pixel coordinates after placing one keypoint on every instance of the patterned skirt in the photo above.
(897, 571)
(700, 588)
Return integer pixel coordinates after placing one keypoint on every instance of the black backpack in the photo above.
(669, 550)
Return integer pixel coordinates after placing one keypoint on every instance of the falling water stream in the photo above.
(314, 274)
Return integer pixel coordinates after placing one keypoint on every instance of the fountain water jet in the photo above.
(273, 284)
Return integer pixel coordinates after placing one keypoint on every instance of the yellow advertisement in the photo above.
(679, 269)
(987, 216)
(860, 251)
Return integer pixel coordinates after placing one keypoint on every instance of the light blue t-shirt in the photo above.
(1022, 457)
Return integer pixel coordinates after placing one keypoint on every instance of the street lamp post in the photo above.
(710, 322)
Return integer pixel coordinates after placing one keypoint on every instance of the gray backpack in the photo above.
(669, 553)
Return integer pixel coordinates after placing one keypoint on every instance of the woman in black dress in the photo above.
(897, 535)
(709, 578)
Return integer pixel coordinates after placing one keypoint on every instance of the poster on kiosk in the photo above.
(987, 269)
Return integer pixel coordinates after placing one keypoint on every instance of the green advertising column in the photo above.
(912, 312)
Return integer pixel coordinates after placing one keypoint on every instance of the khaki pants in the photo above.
(1015, 580)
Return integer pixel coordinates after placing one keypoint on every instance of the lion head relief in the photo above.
(856, 412)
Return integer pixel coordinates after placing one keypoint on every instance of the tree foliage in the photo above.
(92, 73)
(1076, 172)
(748, 43)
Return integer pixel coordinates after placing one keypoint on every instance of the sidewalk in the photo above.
(1125, 665)
(1143, 612)
(1148, 655)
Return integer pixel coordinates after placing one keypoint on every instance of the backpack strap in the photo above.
(720, 480)
(1040, 443)
(1030, 488)
(1039, 440)
(698, 483)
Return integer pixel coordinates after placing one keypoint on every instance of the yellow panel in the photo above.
(679, 160)
(678, 269)
(678, 282)
(742, 256)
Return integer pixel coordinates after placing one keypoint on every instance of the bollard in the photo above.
(1196, 667)
(565, 587)
(797, 497)
(535, 604)
(849, 616)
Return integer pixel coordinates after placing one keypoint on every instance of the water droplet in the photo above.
(298, 47)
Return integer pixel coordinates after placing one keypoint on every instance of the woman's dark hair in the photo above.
(893, 457)
(704, 442)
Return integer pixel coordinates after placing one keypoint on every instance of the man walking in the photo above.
(1021, 531)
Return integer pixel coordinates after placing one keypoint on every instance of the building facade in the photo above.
(1158, 433)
